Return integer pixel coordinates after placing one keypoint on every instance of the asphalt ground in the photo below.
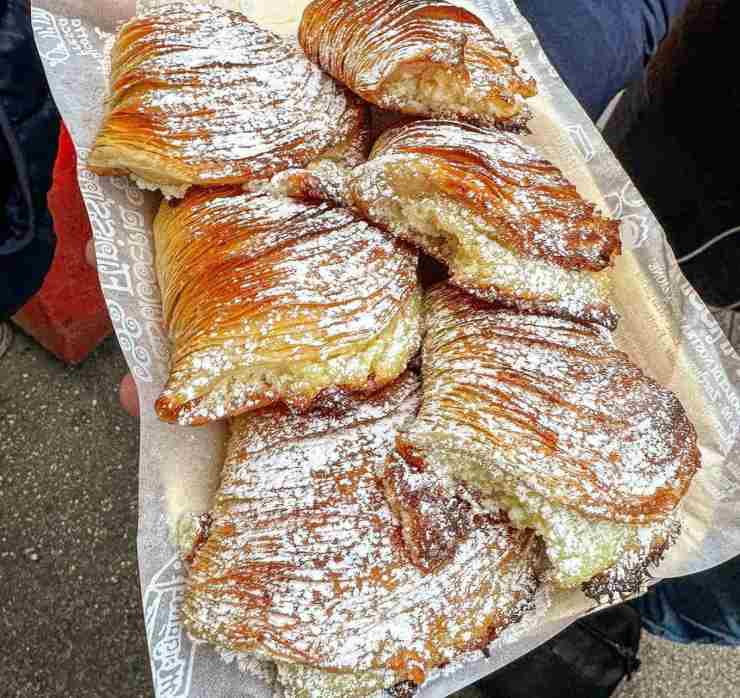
(70, 609)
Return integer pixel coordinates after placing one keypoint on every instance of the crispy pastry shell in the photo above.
(203, 96)
(304, 562)
(506, 222)
(270, 300)
(550, 405)
(508, 225)
(435, 520)
(424, 57)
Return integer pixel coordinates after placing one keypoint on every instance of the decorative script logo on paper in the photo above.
(172, 652)
(51, 45)
(634, 230)
(123, 247)
(628, 206)
(581, 140)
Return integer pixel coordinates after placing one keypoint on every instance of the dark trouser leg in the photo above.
(29, 132)
(22, 273)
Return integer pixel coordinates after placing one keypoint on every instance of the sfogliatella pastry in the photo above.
(425, 57)
(269, 300)
(506, 222)
(548, 419)
(508, 225)
(304, 562)
(203, 96)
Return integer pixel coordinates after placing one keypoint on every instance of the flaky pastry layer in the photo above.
(607, 558)
(425, 57)
(269, 300)
(304, 562)
(550, 405)
(506, 222)
(202, 96)
(510, 228)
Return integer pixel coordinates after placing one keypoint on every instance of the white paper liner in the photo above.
(664, 327)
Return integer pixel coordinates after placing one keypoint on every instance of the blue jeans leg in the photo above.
(702, 608)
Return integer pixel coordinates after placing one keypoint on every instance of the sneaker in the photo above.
(6, 337)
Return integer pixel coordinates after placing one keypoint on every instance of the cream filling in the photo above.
(578, 548)
(169, 191)
(443, 91)
(467, 244)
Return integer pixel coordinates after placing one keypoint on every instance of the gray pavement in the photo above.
(70, 610)
(682, 671)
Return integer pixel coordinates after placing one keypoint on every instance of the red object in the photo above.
(68, 315)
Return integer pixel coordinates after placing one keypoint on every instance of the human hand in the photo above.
(129, 396)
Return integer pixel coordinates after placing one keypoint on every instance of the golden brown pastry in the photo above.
(423, 57)
(506, 222)
(549, 419)
(605, 558)
(610, 561)
(203, 96)
(270, 300)
(304, 562)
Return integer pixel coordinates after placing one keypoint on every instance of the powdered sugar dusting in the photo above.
(422, 57)
(270, 299)
(551, 404)
(482, 203)
(221, 98)
(510, 227)
(434, 518)
(304, 561)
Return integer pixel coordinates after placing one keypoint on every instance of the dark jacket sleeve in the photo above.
(29, 132)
